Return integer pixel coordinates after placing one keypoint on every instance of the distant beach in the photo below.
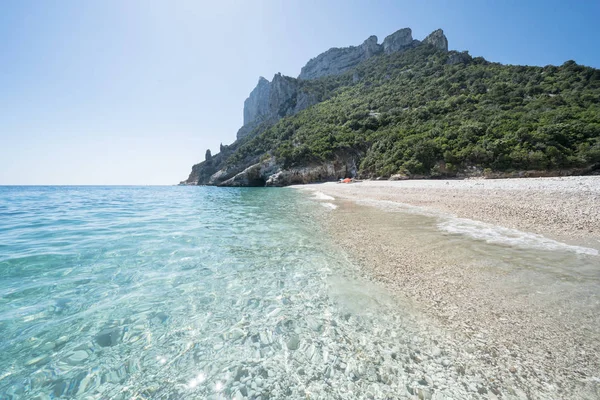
(508, 268)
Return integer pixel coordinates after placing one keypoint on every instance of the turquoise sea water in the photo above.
(238, 293)
(177, 292)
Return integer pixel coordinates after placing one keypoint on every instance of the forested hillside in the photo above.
(425, 112)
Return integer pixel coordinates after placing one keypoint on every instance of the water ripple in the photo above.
(105, 291)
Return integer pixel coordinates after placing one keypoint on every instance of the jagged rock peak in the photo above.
(283, 90)
(399, 41)
(437, 39)
(270, 101)
(338, 60)
(370, 46)
(454, 57)
(257, 102)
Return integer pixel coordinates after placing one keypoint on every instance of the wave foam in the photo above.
(322, 196)
(396, 206)
(329, 205)
(512, 237)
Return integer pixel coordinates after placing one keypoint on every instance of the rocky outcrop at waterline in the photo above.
(270, 173)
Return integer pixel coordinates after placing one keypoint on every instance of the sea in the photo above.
(177, 292)
(210, 293)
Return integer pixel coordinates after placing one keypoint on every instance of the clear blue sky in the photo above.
(135, 91)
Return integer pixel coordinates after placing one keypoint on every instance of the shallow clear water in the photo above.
(202, 292)
(180, 292)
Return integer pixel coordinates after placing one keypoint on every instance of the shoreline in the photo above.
(562, 208)
(519, 329)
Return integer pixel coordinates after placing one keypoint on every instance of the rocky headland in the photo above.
(284, 96)
(410, 109)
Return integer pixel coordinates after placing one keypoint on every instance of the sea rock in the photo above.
(293, 343)
(270, 173)
(202, 172)
(251, 176)
(77, 357)
(423, 394)
(109, 337)
(43, 359)
(161, 316)
(330, 171)
(314, 324)
(235, 334)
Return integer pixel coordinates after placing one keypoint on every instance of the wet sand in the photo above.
(567, 208)
(523, 314)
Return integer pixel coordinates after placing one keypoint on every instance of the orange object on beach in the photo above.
(347, 180)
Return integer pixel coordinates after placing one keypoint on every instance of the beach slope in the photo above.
(510, 268)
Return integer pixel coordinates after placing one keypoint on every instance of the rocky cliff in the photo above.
(399, 41)
(257, 104)
(270, 173)
(271, 101)
(437, 39)
(283, 96)
(338, 60)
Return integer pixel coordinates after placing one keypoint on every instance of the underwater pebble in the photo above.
(108, 337)
(77, 357)
(293, 343)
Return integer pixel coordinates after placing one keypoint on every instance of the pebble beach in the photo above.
(507, 270)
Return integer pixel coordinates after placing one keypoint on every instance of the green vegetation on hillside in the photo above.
(414, 114)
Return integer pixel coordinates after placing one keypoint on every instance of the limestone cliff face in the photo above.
(454, 57)
(283, 96)
(399, 41)
(437, 39)
(271, 101)
(337, 60)
(270, 173)
(284, 93)
(257, 104)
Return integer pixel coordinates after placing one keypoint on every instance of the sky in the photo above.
(114, 92)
